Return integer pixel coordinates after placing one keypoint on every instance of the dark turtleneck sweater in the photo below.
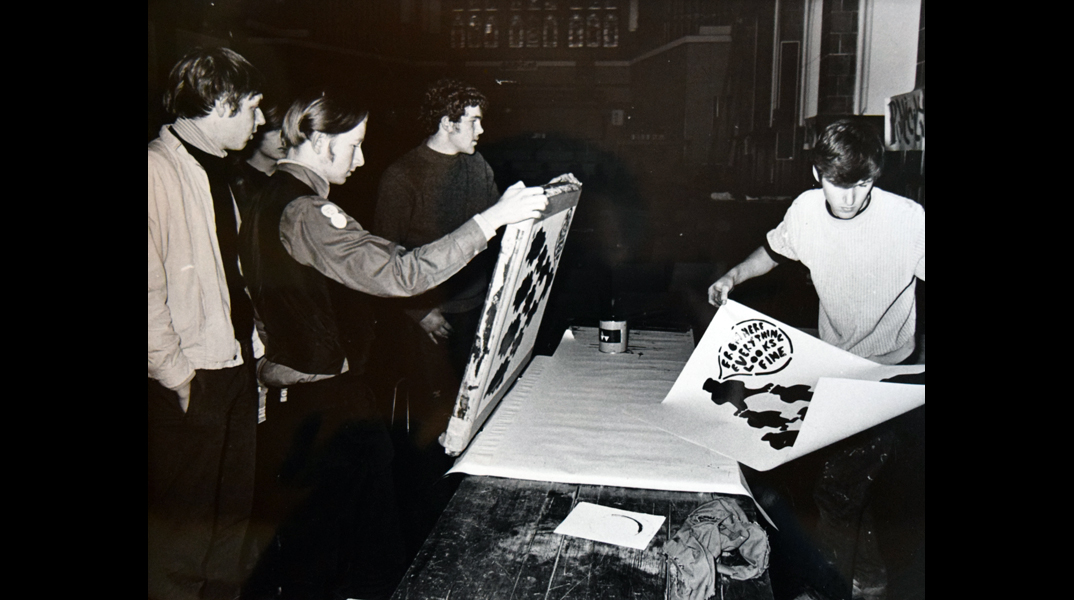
(219, 172)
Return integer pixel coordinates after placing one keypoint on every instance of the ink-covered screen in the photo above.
(518, 293)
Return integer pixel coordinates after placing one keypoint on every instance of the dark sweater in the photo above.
(424, 196)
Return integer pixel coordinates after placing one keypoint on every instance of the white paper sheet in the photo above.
(800, 394)
(563, 421)
(611, 525)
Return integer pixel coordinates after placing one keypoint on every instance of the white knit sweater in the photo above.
(863, 268)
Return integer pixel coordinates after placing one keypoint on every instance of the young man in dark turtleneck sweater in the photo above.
(202, 395)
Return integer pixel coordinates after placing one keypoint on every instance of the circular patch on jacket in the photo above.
(339, 221)
(329, 210)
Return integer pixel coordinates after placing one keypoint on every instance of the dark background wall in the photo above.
(663, 105)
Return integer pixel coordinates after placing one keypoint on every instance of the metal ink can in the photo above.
(612, 331)
(613, 336)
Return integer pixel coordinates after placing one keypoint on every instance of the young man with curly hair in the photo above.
(426, 193)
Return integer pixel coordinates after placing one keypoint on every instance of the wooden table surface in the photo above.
(495, 540)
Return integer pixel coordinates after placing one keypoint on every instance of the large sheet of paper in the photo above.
(764, 393)
(514, 305)
(563, 421)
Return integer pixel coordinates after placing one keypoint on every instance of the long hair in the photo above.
(205, 75)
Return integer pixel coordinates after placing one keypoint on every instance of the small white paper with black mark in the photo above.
(610, 525)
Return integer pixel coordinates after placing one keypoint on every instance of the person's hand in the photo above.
(184, 396)
(718, 291)
(518, 203)
(435, 325)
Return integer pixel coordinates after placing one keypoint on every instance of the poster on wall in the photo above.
(904, 121)
(764, 393)
(515, 303)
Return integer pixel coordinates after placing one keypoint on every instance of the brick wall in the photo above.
(838, 56)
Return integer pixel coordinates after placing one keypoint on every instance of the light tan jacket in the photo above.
(189, 307)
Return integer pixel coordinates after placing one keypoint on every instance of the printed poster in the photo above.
(764, 393)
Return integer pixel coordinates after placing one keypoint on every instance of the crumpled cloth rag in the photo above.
(714, 529)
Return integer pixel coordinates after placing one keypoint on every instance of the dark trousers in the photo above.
(443, 364)
(325, 491)
(842, 481)
(461, 342)
(846, 530)
(424, 376)
(201, 481)
(838, 482)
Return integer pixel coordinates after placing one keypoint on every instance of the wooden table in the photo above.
(495, 540)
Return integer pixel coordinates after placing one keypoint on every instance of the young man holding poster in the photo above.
(865, 249)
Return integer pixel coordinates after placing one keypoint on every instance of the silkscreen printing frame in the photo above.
(514, 306)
